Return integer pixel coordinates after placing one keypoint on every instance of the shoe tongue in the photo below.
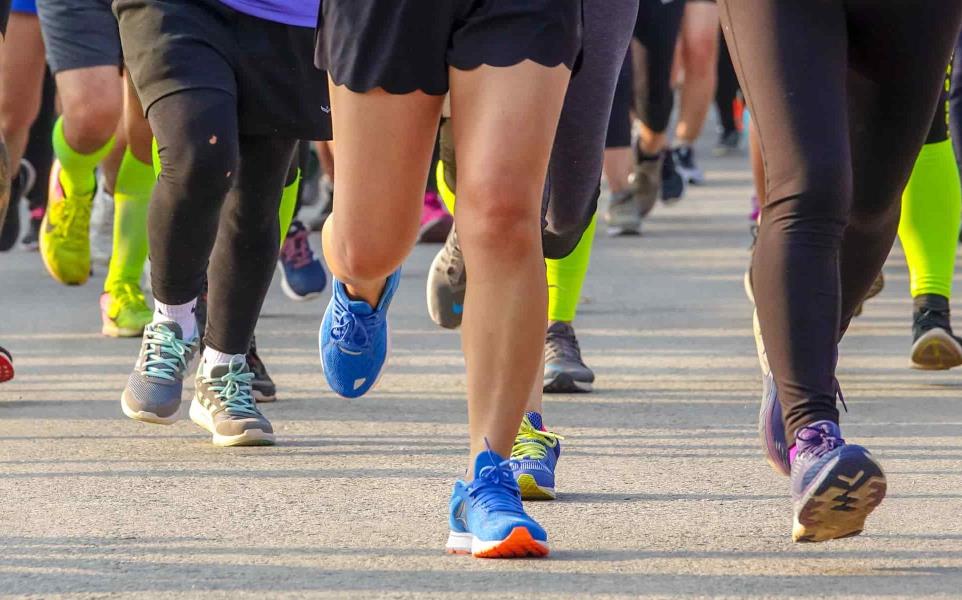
(811, 435)
(173, 326)
(360, 307)
(535, 419)
(488, 458)
(559, 328)
(237, 363)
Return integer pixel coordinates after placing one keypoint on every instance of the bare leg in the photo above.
(618, 166)
(21, 82)
(503, 149)
(699, 53)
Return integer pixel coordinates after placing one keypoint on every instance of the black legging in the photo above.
(842, 93)
(206, 165)
(955, 101)
(727, 89)
(657, 28)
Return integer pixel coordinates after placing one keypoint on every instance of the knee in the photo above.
(90, 122)
(16, 116)
(701, 56)
(202, 167)
(501, 215)
(816, 196)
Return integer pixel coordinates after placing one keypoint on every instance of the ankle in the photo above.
(182, 314)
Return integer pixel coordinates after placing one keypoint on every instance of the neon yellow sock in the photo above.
(135, 183)
(76, 169)
(567, 275)
(929, 228)
(288, 202)
(155, 156)
(446, 193)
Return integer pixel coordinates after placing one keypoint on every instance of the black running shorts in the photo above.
(4, 15)
(407, 45)
(176, 45)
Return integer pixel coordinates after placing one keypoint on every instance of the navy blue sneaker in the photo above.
(354, 341)
(533, 458)
(486, 516)
(835, 485)
(303, 276)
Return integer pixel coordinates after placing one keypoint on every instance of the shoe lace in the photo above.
(825, 442)
(533, 443)
(166, 354)
(495, 489)
(233, 389)
(350, 330)
(561, 343)
(297, 251)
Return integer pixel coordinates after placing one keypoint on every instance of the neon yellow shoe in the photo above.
(124, 311)
(534, 457)
(64, 235)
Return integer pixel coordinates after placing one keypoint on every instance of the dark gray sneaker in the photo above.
(224, 405)
(154, 389)
(447, 281)
(564, 370)
(262, 385)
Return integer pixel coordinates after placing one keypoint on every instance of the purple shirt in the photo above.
(300, 13)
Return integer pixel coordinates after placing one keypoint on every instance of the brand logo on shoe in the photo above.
(359, 382)
(457, 308)
(460, 514)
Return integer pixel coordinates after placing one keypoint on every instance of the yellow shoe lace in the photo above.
(533, 443)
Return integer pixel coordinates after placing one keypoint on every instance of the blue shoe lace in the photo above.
(233, 389)
(488, 490)
(166, 354)
(349, 331)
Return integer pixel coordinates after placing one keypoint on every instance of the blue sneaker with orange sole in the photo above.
(486, 516)
(835, 485)
(354, 340)
(534, 457)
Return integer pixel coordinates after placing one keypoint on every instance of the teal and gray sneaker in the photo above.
(154, 389)
(224, 405)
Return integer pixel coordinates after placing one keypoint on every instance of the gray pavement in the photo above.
(663, 489)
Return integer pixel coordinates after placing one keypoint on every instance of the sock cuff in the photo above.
(73, 159)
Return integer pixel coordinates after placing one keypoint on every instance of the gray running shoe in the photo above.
(624, 214)
(564, 370)
(647, 181)
(154, 389)
(447, 281)
(102, 225)
(224, 405)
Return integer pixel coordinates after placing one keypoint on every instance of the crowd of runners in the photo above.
(205, 134)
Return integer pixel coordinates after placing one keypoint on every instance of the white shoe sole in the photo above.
(251, 437)
(936, 350)
(148, 417)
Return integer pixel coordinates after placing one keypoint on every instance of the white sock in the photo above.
(182, 314)
(212, 358)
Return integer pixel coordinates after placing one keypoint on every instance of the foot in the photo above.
(934, 346)
(6, 365)
(262, 385)
(624, 213)
(684, 159)
(564, 370)
(224, 405)
(647, 179)
(354, 340)
(729, 142)
(64, 235)
(672, 182)
(154, 389)
(124, 311)
(533, 459)
(436, 223)
(31, 239)
(303, 276)
(102, 225)
(835, 485)
(486, 516)
(447, 282)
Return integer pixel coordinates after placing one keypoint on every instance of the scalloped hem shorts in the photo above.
(408, 45)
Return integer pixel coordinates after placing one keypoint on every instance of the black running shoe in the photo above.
(263, 386)
(564, 370)
(686, 166)
(729, 142)
(877, 286)
(672, 182)
(31, 239)
(934, 346)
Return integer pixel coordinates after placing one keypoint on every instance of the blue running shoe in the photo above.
(533, 458)
(354, 340)
(835, 485)
(303, 276)
(487, 519)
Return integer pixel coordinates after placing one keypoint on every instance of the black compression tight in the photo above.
(216, 199)
(842, 93)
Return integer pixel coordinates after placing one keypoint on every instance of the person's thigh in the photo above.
(21, 80)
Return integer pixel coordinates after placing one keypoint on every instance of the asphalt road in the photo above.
(663, 489)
